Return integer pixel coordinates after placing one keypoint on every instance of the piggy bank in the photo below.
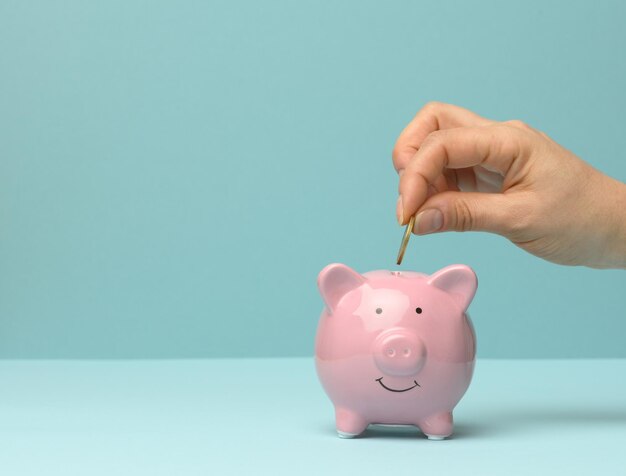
(395, 348)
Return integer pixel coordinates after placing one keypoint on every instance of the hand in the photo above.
(461, 172)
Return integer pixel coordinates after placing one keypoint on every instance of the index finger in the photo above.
(495, 147)
(434, 116)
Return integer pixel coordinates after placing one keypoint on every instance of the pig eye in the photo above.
(418, 310)
(379, 310)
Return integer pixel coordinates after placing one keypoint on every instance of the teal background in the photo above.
(173, 175)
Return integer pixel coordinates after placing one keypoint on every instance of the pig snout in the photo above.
(399, 353)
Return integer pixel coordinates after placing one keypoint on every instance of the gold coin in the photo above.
(405, 239)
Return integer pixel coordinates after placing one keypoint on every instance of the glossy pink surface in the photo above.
(395, 347)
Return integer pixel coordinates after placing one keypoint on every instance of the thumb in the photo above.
(467, 211)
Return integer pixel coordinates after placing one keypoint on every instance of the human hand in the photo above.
(462, 172)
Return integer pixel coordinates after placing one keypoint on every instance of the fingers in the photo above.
(432, 117)
(495, 147)
(476, 211)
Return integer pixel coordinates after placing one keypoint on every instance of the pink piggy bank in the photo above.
(395, 348)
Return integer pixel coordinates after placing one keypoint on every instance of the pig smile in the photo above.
(380, 381)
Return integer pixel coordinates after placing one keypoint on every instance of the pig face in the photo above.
(386, 339)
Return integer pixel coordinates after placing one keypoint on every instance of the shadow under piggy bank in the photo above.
(518, 422)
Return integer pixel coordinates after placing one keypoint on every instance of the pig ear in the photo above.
(459, 281)
(334, 281)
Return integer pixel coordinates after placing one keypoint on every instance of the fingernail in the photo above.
(400, 210)
(428, 221)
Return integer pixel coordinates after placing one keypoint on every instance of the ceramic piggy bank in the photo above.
(395, 348)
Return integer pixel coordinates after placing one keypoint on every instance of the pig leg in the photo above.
(349, 424)
(437, 426)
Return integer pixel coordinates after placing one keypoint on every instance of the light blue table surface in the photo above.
(270, 416)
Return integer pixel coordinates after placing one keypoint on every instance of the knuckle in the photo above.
(464, 220)
(395, 154)
(401, 157)
(432, 106)
(518, 124)
(519, 220)
(432, 139)
(544, 135)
